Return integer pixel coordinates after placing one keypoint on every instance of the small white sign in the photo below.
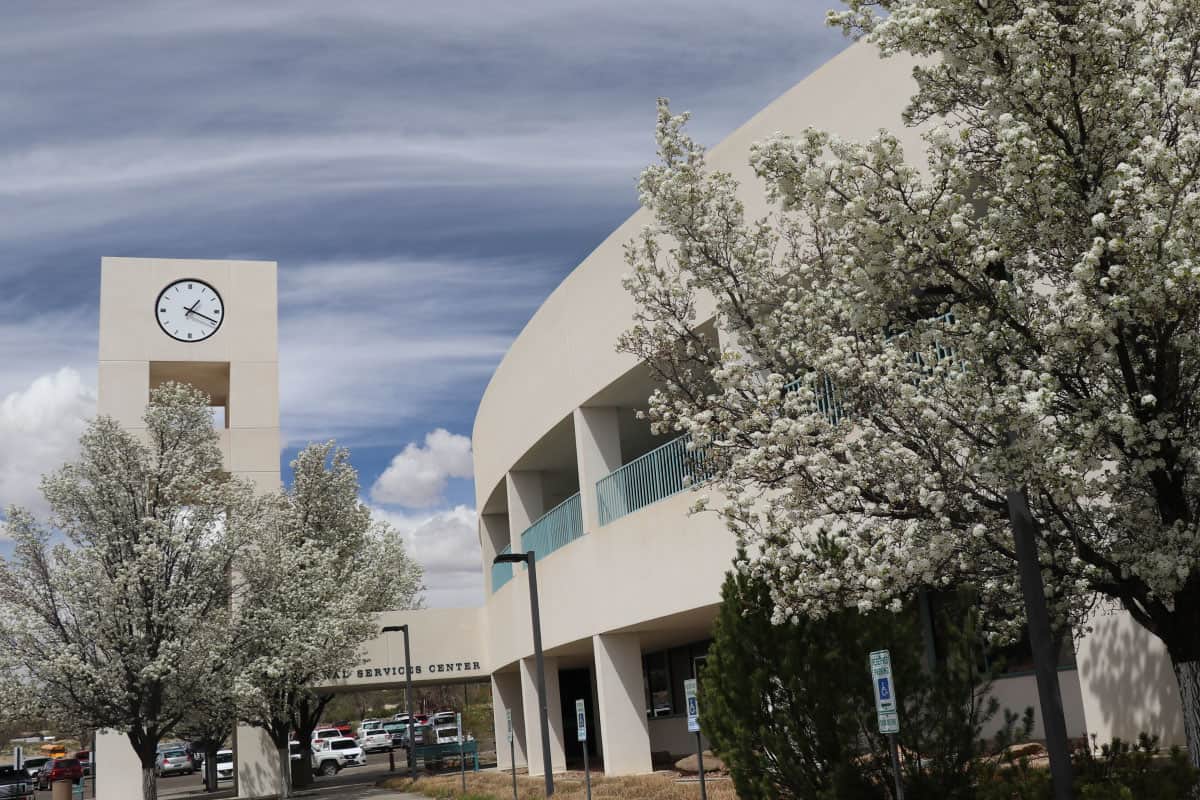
(693, 705)
(580, 722)
(458, 722)
(508, 718)
(885, 692)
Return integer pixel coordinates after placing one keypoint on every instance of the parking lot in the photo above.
(189, 786)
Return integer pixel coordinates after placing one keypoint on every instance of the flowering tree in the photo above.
(310, 580)
(124, 625)
(902, 344)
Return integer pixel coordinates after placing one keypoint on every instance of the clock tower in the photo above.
(213, 324)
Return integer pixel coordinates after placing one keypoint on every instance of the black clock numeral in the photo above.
(162, 311)
(189, 336)
(189, 286)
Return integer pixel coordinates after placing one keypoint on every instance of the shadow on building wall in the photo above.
(1127, 673)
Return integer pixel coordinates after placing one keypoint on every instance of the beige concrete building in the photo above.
(629, 582)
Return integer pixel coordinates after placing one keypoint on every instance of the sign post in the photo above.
(18, 757)
(462, 752)
(693, 726)
(581, 736)
(512, 750)
(885, 709)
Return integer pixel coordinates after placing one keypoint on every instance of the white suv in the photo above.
(374, 739)
(331, 755)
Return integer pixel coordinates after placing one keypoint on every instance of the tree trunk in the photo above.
(210, 765)
(149, 783)
(285, 771)
(302, 774)
(1187, 673)
(146, 747)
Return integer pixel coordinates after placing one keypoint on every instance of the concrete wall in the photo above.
(445, 645)
(1019, 692)
(1127, 681)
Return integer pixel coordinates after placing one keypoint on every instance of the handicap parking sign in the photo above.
(885, 693)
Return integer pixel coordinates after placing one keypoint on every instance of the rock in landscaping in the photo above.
(689, 765)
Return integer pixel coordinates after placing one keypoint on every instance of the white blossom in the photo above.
(1036, 273)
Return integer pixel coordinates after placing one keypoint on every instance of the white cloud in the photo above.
(417, 476)
(39, 431)
(446, 544)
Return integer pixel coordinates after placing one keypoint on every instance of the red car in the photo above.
(59, 769)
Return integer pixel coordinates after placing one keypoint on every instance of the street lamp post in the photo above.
(412, 744)
(530, 561)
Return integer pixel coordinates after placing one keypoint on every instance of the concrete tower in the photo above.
(213, 324)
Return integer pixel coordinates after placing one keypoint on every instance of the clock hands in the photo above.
(193, 310)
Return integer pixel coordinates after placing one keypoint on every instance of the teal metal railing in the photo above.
(664, 471)
(502, 573)
(556, 528)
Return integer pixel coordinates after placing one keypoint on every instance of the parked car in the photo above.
(374, 739)
(398, 731)
(173, 760)
(224, 765)
(446, 734)
(295, 750)
(85, 758)
(329, 756)
(15, 784)
(444, 718)
(345, 727)
(327, 733)
(59, 769)
(34, 765)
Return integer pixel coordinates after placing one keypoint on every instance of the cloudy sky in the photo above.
(424, 174)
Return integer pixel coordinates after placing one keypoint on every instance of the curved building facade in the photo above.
(629, 582)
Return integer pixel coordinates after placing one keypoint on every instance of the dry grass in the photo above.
(498, 786)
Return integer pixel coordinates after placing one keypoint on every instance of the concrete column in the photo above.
(625, 734)
(598, 450)
(506, 696)
(118, 770)
(533, 730)
(525, 503)
(493, 536)
(256, 763)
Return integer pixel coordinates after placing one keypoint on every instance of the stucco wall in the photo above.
(565, 354)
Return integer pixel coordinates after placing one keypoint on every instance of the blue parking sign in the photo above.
(885, 692)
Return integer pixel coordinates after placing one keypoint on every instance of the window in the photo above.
(658, 684)
(344, 744)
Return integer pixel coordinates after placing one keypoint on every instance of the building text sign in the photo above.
(885, 692)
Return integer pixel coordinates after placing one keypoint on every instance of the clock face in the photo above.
(189, 310)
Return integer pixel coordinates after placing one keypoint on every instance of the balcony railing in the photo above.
(556, 528)
(502, 573)
(664, 471)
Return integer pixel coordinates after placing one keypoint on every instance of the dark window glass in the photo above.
(658, 685)
(346, 744)
(681, 670)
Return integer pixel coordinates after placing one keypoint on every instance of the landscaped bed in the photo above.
(569, 786)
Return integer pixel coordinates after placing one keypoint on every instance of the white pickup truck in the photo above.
(374, 739)
(329, 756)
